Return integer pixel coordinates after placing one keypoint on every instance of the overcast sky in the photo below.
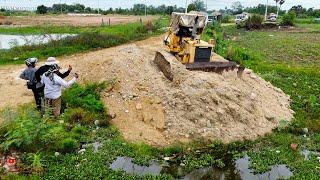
(104, 4)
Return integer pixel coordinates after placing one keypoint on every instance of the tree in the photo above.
(237, 7)
(277, 1)
(42, 9)
(261, 8)
(191, 7)
(281, 2)
(197, 5)
(298, 10)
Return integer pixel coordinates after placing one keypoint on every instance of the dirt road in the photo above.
(151, 109)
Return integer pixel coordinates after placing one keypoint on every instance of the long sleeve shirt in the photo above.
(29, 75)
(45, 68)
(52, 89)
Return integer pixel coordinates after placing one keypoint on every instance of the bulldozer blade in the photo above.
(217, 67)
(163, 60)
(166, 62)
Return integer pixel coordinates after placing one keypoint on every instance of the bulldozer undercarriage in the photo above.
(166, 61)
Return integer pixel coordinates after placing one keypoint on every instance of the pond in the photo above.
(10, 41)
(240, 169)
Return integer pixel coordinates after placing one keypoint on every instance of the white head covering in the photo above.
(51, 61)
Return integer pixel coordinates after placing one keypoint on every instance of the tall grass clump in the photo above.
(254, 22)
(288, 19)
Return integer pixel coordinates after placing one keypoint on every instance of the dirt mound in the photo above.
(151, 109)
(201, 104)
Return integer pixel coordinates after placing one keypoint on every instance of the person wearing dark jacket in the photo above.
(43, 69)
(29, 75)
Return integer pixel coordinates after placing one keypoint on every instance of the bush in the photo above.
(226, 19)
(21, 130)
(288, 19)
(254, 22)
(26, 130)
(42, 9)
(87, 97)
(69, 145)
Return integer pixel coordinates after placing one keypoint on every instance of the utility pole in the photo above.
(266, 14)
(186, 6)
(60, 7)
(145, 8)
(98, 7)
(206, 5)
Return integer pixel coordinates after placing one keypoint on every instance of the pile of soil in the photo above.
(151, 109)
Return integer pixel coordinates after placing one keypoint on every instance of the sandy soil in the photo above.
(151, 109)
(74, 20)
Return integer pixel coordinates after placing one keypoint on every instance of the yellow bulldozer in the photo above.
(183, 42)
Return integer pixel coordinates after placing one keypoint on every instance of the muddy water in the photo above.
(239, 170)
(125, 164)
(9, 41)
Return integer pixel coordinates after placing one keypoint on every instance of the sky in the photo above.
(105, 4)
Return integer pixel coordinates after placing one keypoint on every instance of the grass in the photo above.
(290, 61)
(89, 38)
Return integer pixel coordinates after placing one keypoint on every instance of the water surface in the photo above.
(10, 41)
(240, 169)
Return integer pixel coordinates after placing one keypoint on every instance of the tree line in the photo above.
(137, 9)
(196, 5)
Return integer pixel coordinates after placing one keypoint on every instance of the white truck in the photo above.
(241, 18)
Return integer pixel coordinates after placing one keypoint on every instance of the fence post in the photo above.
(109, 22)
(102, 22)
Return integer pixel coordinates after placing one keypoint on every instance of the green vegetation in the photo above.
(89, 38)
(289, 60)
(137, 9)
(48, 148)
(288, 19)
(37, 140)
(254, 22)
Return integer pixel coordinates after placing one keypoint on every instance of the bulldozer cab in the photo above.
(188, 25)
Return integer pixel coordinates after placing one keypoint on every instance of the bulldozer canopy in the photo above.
(187, 20)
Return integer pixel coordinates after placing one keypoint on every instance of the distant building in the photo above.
(215, 16)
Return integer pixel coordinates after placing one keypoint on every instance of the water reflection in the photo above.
(238, 170)
(10, 41)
